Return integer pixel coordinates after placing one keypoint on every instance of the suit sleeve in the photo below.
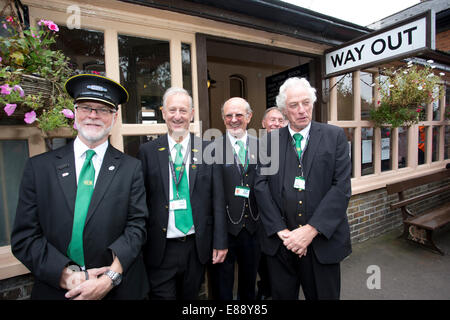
(28, 242)
(220, 234)
(271, 217)
(128, 246)
(332, 209)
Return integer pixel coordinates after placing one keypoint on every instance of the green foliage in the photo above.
(404, 91)
(29, 52)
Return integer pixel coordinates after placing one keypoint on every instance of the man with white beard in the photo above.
(81, 215)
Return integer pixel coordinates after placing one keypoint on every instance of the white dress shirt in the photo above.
(304, 133)
(79, 149)
(172, 231)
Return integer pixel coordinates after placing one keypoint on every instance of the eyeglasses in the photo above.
(85, 110)
(238, 116)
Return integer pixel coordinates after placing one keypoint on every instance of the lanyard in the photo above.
(176, 180)
(242, 167)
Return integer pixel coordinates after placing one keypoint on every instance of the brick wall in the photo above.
(16, 288)
(443, 41)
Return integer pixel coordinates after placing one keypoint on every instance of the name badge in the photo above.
(299, 183)
(243, 192)
(179, 204)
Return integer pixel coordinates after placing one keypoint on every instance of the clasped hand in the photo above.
(80, 288)
(298, 239)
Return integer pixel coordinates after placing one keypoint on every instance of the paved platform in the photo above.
(407, 271)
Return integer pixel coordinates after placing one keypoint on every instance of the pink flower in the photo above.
(10, 108)
(19, 88)
(67, 113)
(53, 26)
(5, 89)
(418, 109)
(9, 19)
(30, 117)
(75, 126)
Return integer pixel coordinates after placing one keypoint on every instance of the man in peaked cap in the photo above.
(81, 215)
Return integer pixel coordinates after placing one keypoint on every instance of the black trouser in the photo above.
(180, 274)
(243, 248)
(288, 272)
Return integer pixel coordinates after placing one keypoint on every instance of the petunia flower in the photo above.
(53, 26)
(10, 108)
(9, 19)
(68, 113)
(30, 117)
(5, 89)
(19, 88)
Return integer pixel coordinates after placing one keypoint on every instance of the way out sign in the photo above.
(398, 41)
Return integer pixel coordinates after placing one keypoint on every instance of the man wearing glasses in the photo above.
(238, 157)
(81, 216)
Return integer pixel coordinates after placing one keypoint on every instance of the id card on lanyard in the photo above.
(178, 203)
(241, 191)
(299, 181)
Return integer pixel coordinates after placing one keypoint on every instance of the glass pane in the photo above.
(236, 87)
(350, 132)
(367, 94)
(85, 48)
(436, 106)
(367, 166)
(435, 150)
(187, 68)
(345, 97)
(422, 144)
(131, 144)
(447, 142)
(13, 156)
(386, 145)
(402, 147)
(145, 73)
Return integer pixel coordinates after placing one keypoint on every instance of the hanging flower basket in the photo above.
(405, 92)
(32, 77)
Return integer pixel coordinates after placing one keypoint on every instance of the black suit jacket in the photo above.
(232, 178)
(115, 221)
(206, 193)
(327, 170)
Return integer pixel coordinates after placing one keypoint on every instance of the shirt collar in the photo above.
(304, 132)
(183, 143)
(80, 148)
(233, 139)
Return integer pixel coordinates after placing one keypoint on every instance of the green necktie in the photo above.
(183, 217)
(298, 144)
(241, 153)
(84, 194)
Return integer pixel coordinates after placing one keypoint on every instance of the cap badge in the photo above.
(94, 87)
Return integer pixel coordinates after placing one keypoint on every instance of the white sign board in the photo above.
(383, 46)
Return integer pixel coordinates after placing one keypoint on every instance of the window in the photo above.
(13, 156)
(187, 67)
(145, 73)
(345, 97)
(237, 86)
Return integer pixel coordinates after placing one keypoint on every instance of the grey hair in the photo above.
(293, 82)
(248, 109)
(271, 109)
(173, 91)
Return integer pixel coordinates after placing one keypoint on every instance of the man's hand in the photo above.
(92, 289)
(72, 276)
(299, 239)
(219, 255)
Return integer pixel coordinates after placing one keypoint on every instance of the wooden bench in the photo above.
(419, 227)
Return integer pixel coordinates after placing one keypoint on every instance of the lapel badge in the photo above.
(194, 150)
(252, 156)
(65, 174)
(194, 159)
(161, 149)
(193, 166)
(111, 168)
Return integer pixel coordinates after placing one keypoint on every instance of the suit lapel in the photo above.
(110, 166)
(315, 135)
(163, 159)
(66, 173)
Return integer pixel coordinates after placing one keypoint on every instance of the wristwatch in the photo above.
(115, 277)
